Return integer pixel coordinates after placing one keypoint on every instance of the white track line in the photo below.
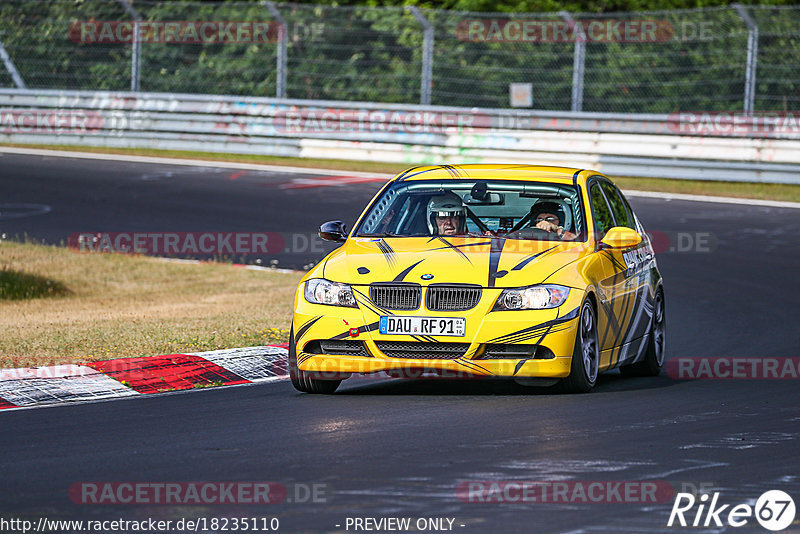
(188, 162)
(718, 200)
(333, 172)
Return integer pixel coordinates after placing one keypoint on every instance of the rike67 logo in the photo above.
(774, 510)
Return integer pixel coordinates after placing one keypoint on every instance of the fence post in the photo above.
(752, 58)
(11, 68)
(578, 61)
(427, 56)
(283, 36)
(136, 46)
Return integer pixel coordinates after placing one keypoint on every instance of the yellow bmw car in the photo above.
(540, 274)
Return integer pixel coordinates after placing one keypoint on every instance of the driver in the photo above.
(446, 215)
(550, 217)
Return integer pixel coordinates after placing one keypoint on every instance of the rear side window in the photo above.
(601, 213)
(619, 207)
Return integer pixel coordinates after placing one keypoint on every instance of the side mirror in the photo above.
(333, 231)
(621, 237)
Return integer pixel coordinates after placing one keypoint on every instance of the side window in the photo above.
(619, 207)
(603, 220)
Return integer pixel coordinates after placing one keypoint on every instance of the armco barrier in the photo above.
(714, 147)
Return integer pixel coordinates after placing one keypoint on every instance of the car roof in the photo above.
(541, 173)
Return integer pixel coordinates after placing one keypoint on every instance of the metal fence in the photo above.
(717, 59)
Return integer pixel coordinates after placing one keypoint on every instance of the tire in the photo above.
(654, 356)
(586, 356)
(301, 380)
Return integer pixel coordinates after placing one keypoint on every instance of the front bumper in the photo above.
(552, 329)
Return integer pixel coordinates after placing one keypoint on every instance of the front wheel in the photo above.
(303, 381)
(656, 345)
(586, 356)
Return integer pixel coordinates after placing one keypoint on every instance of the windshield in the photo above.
(512, 209)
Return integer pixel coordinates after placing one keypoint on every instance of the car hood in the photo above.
(488, 262)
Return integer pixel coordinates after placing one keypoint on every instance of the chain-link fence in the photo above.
(719, 59)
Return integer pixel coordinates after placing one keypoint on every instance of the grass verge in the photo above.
(785, 192)
(116, 306)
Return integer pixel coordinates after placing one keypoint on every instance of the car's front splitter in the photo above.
(333, 365)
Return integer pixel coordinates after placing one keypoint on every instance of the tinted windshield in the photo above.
(513, 209)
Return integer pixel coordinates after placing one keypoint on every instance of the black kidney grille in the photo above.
(396, 296)
(452, 298)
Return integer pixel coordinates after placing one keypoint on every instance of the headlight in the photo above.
(532, 298)
(321, 291)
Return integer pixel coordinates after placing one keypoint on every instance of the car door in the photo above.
(614, 300)
(639, 285)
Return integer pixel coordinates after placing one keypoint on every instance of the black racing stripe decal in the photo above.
(404, 272)
(406, 175)
(303, 329)
(494, 258)
(452, 170)
(626, 305)
(471, 352)
(361, 329)
(470, 365)
(463, 245)
(367, 303)
(529, 259)
(535, 333)
(527, 336)
(538, 342)
(634, 319)
(388, 252)
(448, 244)
(617, 264)
(611, 319)
(563, 319)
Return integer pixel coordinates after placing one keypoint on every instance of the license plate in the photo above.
(429, 326)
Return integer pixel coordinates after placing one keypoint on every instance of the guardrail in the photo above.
(742, 147)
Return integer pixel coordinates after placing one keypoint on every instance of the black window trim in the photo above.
(596, 179)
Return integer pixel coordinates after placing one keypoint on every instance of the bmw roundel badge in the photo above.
(427, 277)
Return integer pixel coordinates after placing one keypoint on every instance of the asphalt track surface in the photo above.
(400, 448)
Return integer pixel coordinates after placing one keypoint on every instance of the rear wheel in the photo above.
(586, 356)
(656, 346)
(303, 381)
